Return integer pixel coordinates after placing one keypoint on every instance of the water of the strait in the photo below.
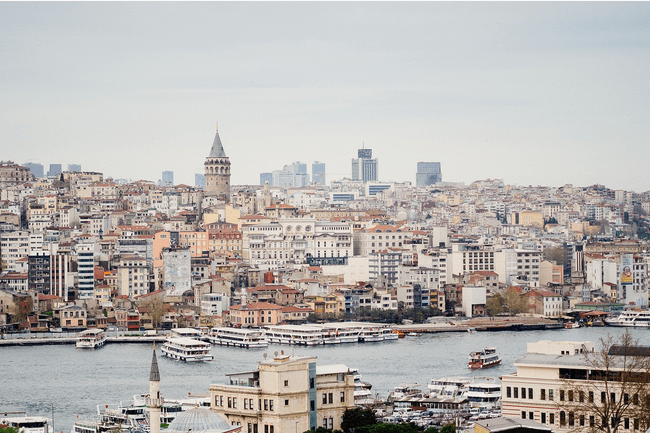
(70, 383)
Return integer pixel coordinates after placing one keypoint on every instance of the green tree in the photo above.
(515, 303)
(613, 387)
(4, 429)
(448, 428)
(495, 304)
(357, 417)
(432, 430)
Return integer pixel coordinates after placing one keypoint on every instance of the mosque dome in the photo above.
(199, 420)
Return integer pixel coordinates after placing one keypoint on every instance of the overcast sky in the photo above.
(531, 93)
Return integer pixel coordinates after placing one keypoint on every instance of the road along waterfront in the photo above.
(74, 382)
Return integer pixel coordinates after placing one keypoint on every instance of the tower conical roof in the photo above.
(154, 375)
(217, 148)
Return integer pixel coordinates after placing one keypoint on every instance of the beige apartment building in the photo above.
(285, 394)
(552, 382)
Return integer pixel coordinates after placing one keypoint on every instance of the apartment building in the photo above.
(285, 394)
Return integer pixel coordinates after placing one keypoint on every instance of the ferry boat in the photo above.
(449, 386)
(91, 339)
(303, 335)
(238, 337)
(187, 333)
(388, 333)
(484, 393)
(488, 357)
(347, 332)
(631, 318)
(25, 424)
(186, 349)
(405, 391)
(370, 334)
(362, 394)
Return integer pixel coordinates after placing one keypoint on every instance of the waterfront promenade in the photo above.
(443, 324)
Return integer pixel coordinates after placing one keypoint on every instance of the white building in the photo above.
(473, 297)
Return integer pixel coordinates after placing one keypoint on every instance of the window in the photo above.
(234, 402)
(516, 392)
(612, 397)
(543, 418)
(530, 393)
(259, 404)
(250, 403)
(286, 383)
(550, 394)
(266, 404)
(626, 398)
(603, 397)
(551, 418)
(330, 398)
(592, 420)
(561, 397)
(523, 414)
(331, 426)
(562, 418)
(523, 392)
(581, 396)
(312, 384)
(508, 393)
(270, 405)
(324, 398)
(245, 404)
(591, 396)
(286, 402)
(626, 423)
(342, 396)
(571, 419)
(312, 405)
(542, 394)
(531, 415)
(229, 402)
(582, 420)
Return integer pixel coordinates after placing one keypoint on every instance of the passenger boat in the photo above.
(484, 393)
(631, 318)
(187, 333)
(294, 334)
(388, 333)
(347, 332)
(370, 334)
(488, 357)
(186, 349)
(25, 424)
(238, 337)
(362, 394)
(91, 339)
(571, 325)
(449, 386)
(404, 390)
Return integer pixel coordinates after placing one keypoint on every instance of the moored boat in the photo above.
(91, 339)
(25, 424)
(631, 318)
(488, 357)
(186, 349)
(238, 337)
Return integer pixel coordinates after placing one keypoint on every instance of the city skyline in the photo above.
(531, 93)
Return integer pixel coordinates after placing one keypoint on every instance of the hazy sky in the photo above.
(532, 93)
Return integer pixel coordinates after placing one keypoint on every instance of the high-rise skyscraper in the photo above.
(318, 172)
(55, 170)
(217, 171)
(35, 168)
(168, 178)
(199, 180)
(266, 177)
(74, 168)
(428, 174)
(364, 168)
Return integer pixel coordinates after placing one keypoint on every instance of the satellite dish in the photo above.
(276, 353)
(265, 355)
(282, 352)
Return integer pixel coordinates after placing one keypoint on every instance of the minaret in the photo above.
(217, 171)
(154, 401)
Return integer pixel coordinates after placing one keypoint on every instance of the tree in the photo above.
(495, 304)
(4, 429)
(448, 428)
(357, 417)
(556, 254)
(22, 308)
(613, 391)
(156, 308)
(515, 303)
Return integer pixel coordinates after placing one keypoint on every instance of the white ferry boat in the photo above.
(370, 334)
(484, 393)
(187, 333)
(238, 337)
(388, 333)
(346, 332)
(303, 335)
(488, 357)
(405, 390)
(186, 349)
(631, 318)
(91, 339)
(362, 394)
(25, 424)
(449, 386)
